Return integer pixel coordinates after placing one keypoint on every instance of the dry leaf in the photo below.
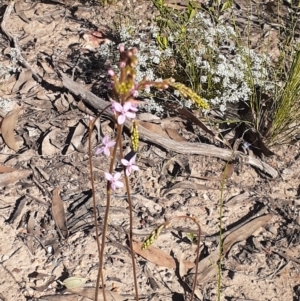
(238, 199)
(25, 76)
(73, 282)
(147, 117)
(178, 187)
(190, 116)
(77, 138)
(20, 12)
(182, 266)
(90, 293)
(30, 230)
(7, 128)
(154, 128)
(6, 90)
(94, 39)
(59, 297)
(173, 134)
(208, 266)
(226, 174)
(17, 210)
(58, 213)
(245, 231)
(5, 169)
(229, 169)
(14, 176)
(45, 285)
(48, 148)
(158, 256)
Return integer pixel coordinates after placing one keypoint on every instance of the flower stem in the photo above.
(130, 225)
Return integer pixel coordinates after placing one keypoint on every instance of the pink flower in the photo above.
(129, 165)
(127, 110)
(113, 179)
(106, 145)
(111, 72)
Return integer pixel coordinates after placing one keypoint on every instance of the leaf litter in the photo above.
(50, 119)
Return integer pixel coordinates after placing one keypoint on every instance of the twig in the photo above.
(15, 41)
(170, 145)
(5, 18)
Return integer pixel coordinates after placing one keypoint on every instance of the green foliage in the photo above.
(172, 21)
(286, 117)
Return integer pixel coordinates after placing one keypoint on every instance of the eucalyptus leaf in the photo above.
(73, 282)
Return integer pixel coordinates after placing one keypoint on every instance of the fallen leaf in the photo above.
(24, 77)
(90, 293)
(17, 210)
(244, 232)
(7, 128)
(152, 282)
(238, 199)
(94, 39)
(76, 144)
(73, 282)
(191, 117)
(45, 285)
(30, 230)
(173, 134)
(226, 174)
(148, 117)
(58, 213)
(20, 12)
(154, 128)
(13, 176)
(154, 255)
(186, 185)
(158, 256)
(228, 171)
(183, 269)
(59, 297)
(208, 267)
(48, 148)
(5, 169)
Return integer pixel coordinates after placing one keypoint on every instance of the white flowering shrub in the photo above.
(200, 54)
(224, 72)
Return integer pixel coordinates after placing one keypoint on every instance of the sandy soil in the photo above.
(262, 263)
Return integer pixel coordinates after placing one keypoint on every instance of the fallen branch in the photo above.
(170, 145)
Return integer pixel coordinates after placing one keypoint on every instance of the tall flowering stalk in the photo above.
(124, 105)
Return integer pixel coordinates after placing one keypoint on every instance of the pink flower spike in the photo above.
(106, 145)
(129, 165)
(116, 107)
(128, 110)
(121, 119)
(121, 48)
(113, 179)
